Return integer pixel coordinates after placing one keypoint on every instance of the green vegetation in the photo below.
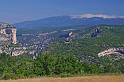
(53, 65)
(79, 57)
(88, 47)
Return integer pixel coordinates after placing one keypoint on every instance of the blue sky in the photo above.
(21, 10)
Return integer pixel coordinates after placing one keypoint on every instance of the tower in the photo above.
(14, 35)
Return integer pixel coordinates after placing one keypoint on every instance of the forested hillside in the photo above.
(76, 57)
(95, 40)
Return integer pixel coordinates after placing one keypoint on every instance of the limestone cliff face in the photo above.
(7, 33)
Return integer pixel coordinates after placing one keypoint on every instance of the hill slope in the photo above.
(88, 46)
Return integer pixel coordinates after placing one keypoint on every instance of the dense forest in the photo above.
(54, 65)
(78, 57)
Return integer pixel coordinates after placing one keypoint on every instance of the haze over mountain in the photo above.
(73, 20)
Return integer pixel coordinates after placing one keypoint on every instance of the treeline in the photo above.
(54, 65)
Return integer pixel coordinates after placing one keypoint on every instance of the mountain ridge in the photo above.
(68, 21)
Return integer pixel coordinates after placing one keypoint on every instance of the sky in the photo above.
(13, 11)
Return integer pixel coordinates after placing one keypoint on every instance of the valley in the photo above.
(62, 41)
(66, 53)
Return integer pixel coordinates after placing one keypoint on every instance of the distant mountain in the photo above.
(68, 21)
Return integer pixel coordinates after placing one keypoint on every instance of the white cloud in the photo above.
(95, 15)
